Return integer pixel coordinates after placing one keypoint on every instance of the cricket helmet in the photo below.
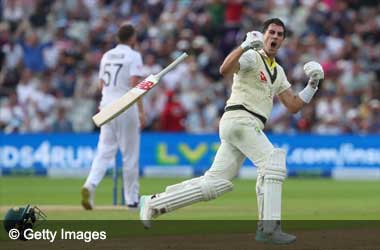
(22, 218)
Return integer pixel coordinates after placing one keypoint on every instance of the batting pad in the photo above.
(189, 192)
(274, 175)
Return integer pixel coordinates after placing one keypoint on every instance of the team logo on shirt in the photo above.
(145, 85)
(262, 77)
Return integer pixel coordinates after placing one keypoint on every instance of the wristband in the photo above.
(307, 93)
(245, 47)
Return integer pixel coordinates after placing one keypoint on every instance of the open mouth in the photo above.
(273, 45)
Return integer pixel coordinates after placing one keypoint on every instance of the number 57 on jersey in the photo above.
(111, 111)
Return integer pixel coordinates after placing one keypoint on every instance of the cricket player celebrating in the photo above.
(257, 78)
(120, 70)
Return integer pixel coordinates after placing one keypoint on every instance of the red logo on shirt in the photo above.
(145, 85)
(262, 77)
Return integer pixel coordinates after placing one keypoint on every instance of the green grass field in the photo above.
(303, 199)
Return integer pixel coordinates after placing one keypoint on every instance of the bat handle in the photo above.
(172, 65)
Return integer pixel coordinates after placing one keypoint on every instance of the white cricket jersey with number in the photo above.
(116, 67)
(252, 85)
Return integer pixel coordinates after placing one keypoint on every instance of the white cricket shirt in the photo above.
(116, 68)
(252, 85)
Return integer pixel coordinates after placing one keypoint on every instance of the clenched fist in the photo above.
(253, 40)
(315, 73)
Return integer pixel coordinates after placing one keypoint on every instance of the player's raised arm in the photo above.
(294, 102)
(231, 62)
(253, 40)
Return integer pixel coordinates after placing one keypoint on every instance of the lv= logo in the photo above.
(145, 85)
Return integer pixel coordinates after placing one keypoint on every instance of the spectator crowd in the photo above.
(50, 54)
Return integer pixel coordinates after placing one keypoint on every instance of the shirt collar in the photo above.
(271, 63)
(123, 46)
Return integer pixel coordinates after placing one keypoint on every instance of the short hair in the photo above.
(126, 31)
(276, 21)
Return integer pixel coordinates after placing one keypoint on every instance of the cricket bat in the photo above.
(111, 111)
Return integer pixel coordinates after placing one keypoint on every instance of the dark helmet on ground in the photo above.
(22, 218)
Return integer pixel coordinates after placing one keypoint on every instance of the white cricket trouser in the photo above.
(241, 136)
(122, 133)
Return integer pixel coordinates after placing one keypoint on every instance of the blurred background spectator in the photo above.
(172, 117)
(50, 51)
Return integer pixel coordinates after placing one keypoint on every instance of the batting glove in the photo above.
(253, 40)
(315, 73)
